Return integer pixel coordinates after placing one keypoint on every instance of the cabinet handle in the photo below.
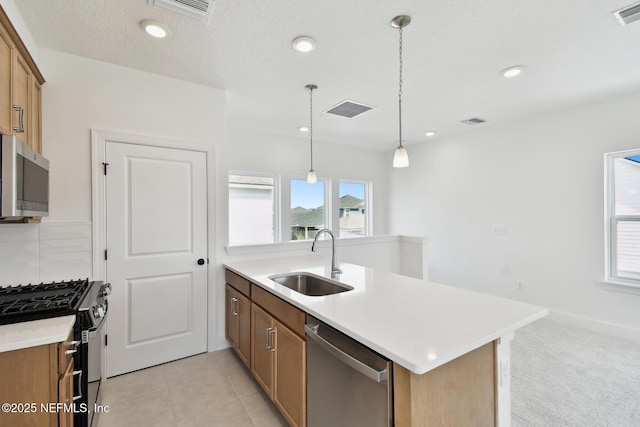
(18, 108)
(270, 333)
(79, 384)
(234, 310)
(67, 352)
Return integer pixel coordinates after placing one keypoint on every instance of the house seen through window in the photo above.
(308, 213)
(353, 209)
(252, 209)
(623, 209)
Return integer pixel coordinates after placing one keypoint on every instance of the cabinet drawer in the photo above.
(64, 358)
(238, 282)
(289, 315)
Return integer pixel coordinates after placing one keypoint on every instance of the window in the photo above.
(623, 215)
(353, 209)
(252, 208)
(308, 213)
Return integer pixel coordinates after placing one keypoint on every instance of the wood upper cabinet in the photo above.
(238, 324)
(21, 102)
(6, 65)
(20, 88)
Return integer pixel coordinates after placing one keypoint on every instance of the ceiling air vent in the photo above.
(348, 109)
(473, 121)
(628, 14)
(199, 10)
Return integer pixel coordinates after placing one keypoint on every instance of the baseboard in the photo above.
(220, 344)
(599, 326)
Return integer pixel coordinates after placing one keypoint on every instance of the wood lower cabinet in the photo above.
(290, 374)
(238, 324)
(267, 333)
(40, 375)
(278, 362)
(262, 352)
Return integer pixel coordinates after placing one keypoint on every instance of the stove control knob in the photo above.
(98, 311)
(105, 290)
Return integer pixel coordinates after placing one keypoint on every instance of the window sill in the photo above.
(621, 286)
(306, 244)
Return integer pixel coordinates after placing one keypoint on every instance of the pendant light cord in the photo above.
(311, 124)
(400, 92)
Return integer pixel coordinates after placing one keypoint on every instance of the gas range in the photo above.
(40, 301)
(87, 301)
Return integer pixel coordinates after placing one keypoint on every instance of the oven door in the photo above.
(94, 370)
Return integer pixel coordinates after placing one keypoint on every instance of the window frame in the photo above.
(612, 220)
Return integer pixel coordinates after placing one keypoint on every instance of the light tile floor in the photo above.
(210, 389)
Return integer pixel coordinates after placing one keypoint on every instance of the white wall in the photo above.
(540, 177)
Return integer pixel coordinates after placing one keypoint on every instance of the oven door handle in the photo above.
(79, 384)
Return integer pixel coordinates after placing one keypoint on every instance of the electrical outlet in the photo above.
(499, 230)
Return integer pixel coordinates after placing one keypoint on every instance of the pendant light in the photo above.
(400, 158)
(311, 176)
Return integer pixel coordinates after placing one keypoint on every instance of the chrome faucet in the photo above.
(334, 267)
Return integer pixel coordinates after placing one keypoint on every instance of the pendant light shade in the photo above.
(311, 176)
(400, 157)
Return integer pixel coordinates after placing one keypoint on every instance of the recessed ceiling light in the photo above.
(154, 28)
(511, 71)
(303, 128)
(430, 133)
(304, 44)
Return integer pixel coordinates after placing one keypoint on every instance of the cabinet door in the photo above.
(238, 323)
(6, 59)
(262, 351)
(35, 116)
(243, 343)
(21, 85)
(290, 375)
(231, 329)
(65, 395)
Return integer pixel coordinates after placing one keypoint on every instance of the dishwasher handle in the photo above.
(377, 375)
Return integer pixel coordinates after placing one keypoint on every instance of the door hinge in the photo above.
(106, 341)
(105, 167)
(105, 254)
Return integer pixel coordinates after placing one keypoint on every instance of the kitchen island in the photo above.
(428, 330)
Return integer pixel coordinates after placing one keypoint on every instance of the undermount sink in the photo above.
(310, 284)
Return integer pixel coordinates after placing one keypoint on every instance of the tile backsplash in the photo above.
(50, 251)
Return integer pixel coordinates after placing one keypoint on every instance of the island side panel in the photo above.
(503, 380)
(459, 393)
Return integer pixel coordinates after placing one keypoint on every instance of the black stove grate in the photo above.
(32, 302)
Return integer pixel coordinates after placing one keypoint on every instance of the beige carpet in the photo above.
(567, 376)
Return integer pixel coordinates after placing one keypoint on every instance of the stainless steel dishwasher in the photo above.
(348, 384)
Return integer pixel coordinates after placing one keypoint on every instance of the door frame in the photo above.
(99, 139)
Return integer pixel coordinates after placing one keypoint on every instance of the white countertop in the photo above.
(417, 324)
(16, 336)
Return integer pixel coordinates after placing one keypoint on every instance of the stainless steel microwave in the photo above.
(24, 189)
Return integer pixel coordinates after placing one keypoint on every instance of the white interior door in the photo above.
(156, 234)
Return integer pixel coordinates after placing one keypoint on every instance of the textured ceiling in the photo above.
(573, 51)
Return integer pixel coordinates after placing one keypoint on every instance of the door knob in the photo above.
(201, 261)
